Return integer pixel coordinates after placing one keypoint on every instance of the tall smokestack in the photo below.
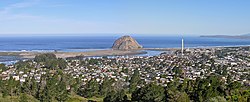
(182, 46)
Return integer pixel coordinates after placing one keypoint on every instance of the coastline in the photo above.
(104, 52)
(108, 52)
(227, 36)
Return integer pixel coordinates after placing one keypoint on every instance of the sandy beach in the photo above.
(108, 52)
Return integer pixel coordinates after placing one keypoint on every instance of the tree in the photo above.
(149, 93)
(134, 81)
(51, 64)
(23, 98)
(116, 96)
(44, 57)
(13, 87)
(216, 99)
(62, 64)
(62, 93)
(177, 96)
(176, 92)
(207, 88)
(106, 86)
(50, 61)
(3, 67)
(4, 89)
(75, 85)
(46, 95)
(93, 61)
(183, 97)
(34, 87)
(238, 92)
(25, 87)
(45, 92)
(90, 89)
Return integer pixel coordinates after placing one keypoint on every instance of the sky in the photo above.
(109, 17)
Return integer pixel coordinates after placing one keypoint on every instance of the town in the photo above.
(231, 64)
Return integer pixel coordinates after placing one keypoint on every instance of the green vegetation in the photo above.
(116, 96)
(134, 82)
(50, 61)
(90, 89)
(3, 67)
(45, 57)
(22, 98)
(149, 93)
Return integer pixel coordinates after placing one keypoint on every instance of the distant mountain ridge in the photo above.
(243, 36)
(246, 34)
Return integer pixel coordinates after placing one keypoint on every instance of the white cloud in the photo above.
(11, 7)
(21, 22)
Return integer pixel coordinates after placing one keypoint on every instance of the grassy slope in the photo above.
(16, 99)
(72, 98)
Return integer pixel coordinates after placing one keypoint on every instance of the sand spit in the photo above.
(109, 52)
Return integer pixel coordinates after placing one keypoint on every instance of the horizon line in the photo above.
(103, 34)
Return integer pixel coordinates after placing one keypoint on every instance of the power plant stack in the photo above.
(182, 46)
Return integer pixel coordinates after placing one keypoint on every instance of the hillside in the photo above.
(243, 36)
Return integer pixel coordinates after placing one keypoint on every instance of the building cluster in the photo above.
(232, 64)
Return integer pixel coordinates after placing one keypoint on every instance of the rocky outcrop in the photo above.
(126, 43)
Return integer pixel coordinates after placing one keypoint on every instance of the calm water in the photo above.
(81, 43)
(78, 43)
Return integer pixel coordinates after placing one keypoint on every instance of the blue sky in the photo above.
(142, 17)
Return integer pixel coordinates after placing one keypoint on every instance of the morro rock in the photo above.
(126, 43)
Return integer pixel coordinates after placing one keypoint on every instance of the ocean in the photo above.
(83, 43)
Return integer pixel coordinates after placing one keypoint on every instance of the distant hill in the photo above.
(243, 36)
(246, 34)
